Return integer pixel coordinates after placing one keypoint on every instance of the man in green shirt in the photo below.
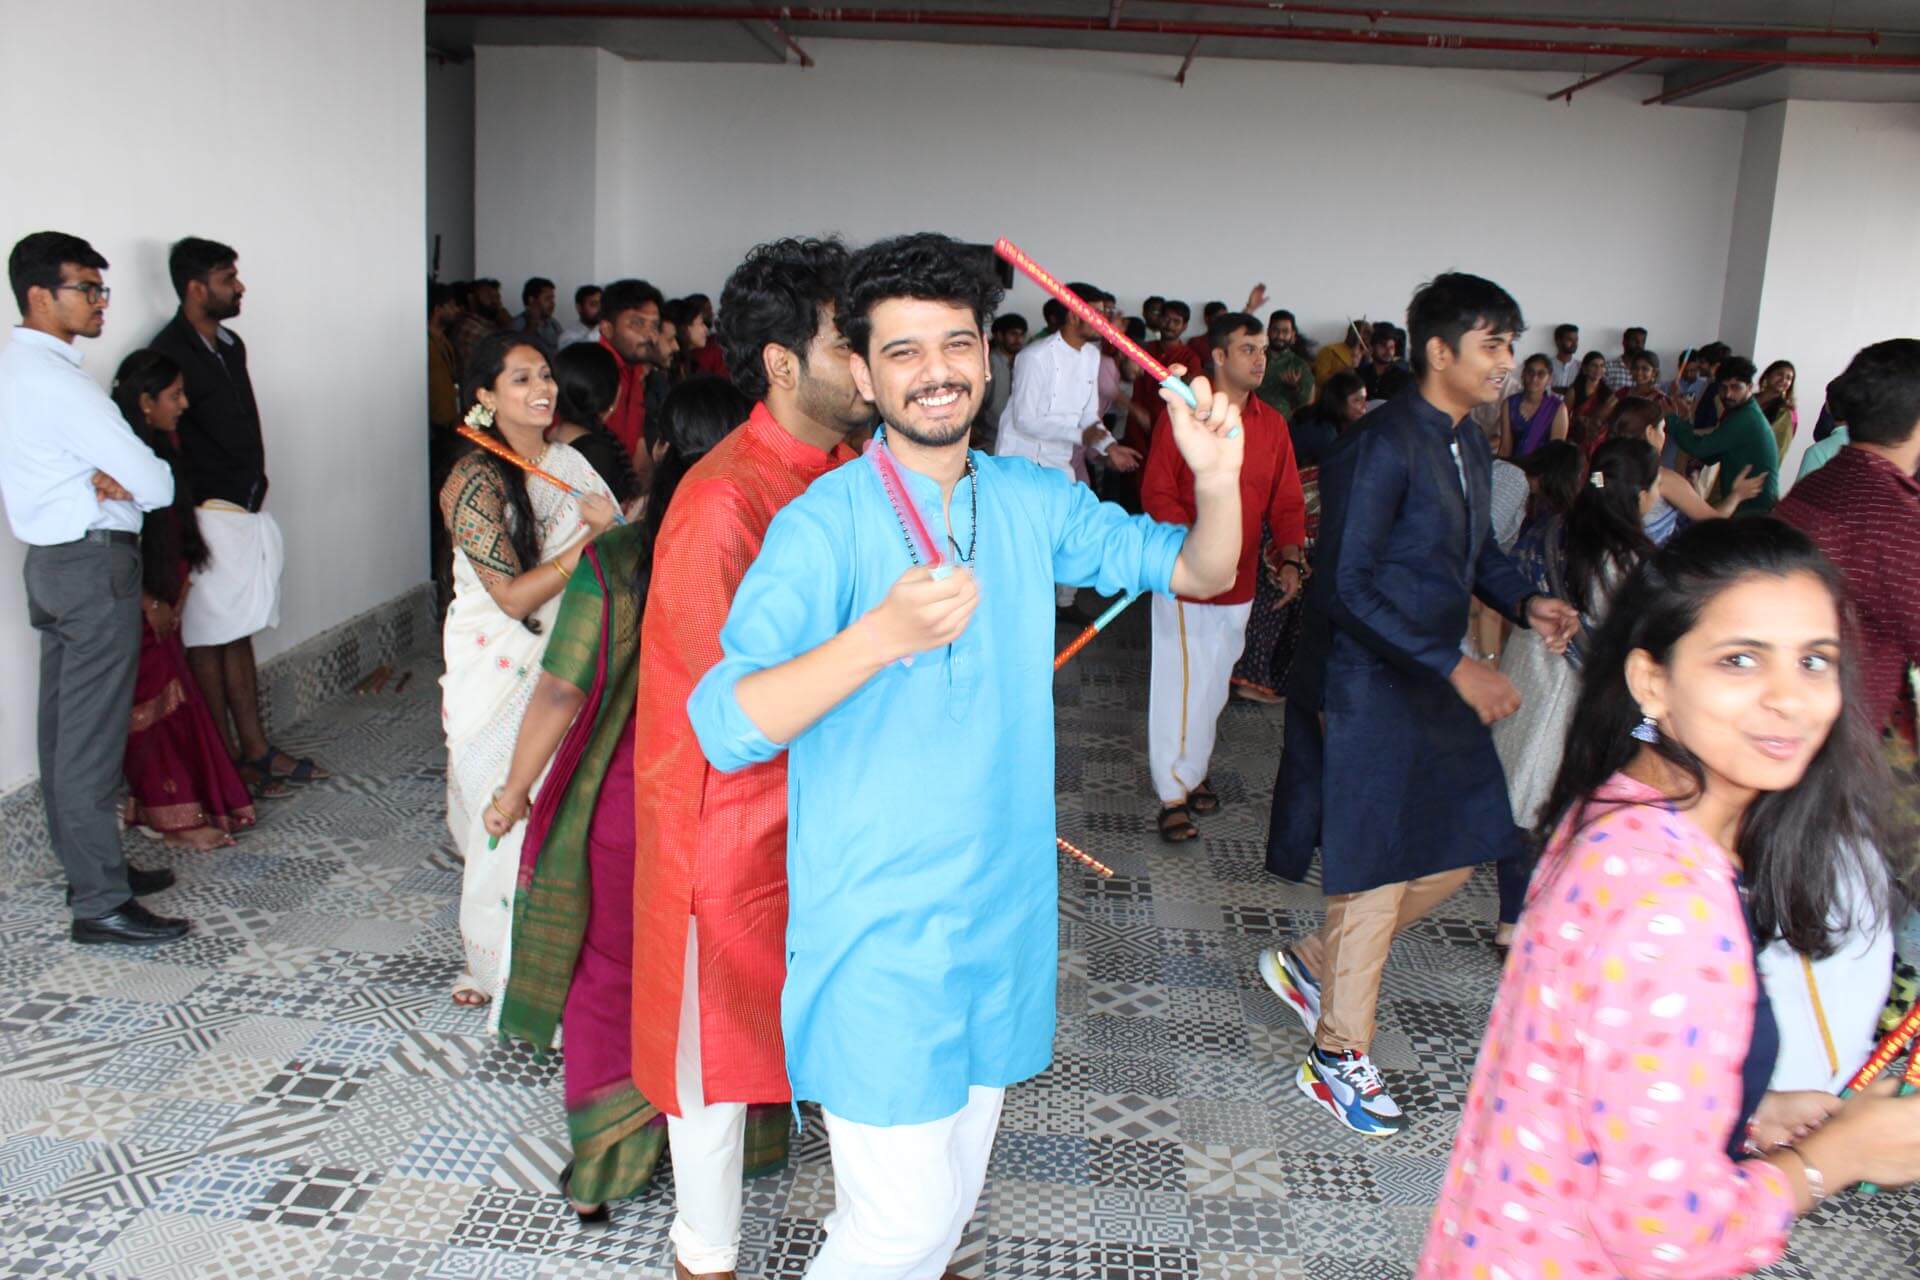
(1743, 439)
(1289, 381)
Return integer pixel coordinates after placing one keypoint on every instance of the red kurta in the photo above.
(708, 844)
(628, 421)
(1269, 490)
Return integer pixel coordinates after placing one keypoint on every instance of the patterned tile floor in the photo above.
(289, 1093)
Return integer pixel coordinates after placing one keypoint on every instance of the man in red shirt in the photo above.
(1196, 642)
(1168, 349)
(630, 328)
(710, 870)
(1863, 510)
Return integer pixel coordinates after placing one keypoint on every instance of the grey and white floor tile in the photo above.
(289, 1093)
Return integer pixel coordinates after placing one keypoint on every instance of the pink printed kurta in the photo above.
(1595, 1136)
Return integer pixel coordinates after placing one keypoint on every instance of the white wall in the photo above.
(1752, 224)
(1843, 251)
(450, 165)
(1200, 190)
(292, 131)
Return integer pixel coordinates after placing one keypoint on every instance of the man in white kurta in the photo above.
(1055, 407)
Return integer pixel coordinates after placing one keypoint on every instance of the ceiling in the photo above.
(1784, 28)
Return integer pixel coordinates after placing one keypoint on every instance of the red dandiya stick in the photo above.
(1133, 351)
(1085, 859)
(505, 454)
(1098, 625)
(1896, 1042)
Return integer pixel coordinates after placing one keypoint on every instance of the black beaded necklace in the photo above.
(896, 495)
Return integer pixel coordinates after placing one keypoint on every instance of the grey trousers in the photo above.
(84, 600)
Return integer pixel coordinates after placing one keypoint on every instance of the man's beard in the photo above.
(223, 309)
(941, 438)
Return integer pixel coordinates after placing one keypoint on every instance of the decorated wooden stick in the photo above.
(1104, 327)
(1099, 624)
(505, 454)
(1085, 859)
(1892, 1046)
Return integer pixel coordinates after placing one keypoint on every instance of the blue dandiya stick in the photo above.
(1085, 638)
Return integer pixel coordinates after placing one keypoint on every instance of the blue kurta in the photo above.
(922, 937)
(1401, 780)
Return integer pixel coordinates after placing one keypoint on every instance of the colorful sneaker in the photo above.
(1292, 982)
(1349, 1085)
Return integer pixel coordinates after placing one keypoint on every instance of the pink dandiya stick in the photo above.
(1073, 302)
(505, 454)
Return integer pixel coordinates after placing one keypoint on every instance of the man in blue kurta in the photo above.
(1408, 792)
(915, 704)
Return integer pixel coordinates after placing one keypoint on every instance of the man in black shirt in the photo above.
(224, 464)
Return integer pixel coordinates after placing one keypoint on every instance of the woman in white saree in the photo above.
(516, 540)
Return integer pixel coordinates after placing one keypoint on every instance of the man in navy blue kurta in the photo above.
(1409, 789)
(915, 705)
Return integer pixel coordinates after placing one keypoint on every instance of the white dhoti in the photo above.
(708, 1143)
(1194, 649)
(237, 593)
(903, 1193)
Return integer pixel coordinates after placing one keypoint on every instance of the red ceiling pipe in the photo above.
(1701, 86)
(994, 21)
(1590, 81)
(1281, 8)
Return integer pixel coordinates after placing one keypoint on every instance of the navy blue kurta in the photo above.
(1406, 783)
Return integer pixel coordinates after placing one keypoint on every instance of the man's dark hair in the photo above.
(1562, 330)
(1454, 304)
(487, 281)
(924, 265)
(1054, 312)
(775, 296)
(438, 296)
(531, 289)
(584, 292)
(1011, 320)
(1736, 369)
(194, 259)
(1229, 325)
(1878, 395)
(1713, 353)
(1150, 301)
(1212, 309)
(36, 261)
(1091, 293)
(627, 295)
(1283, 314)
(1174, 304)
(1629, 332)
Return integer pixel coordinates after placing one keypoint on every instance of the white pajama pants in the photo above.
(1194, 649)
(903, 1193)
(707, 1141)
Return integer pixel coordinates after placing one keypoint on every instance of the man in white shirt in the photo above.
(586, 305)
(1565, 360)
(1055, 407)
(76, 479)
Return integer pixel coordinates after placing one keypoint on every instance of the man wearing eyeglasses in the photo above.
(76, 479)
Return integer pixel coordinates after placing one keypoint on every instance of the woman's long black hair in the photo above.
(1603, 526)
(695, 416)
(164, 544)
(1559, 467)
(484, 367)
(1798, 846)
(589, 378)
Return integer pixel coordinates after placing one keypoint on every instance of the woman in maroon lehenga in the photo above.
(182, 783)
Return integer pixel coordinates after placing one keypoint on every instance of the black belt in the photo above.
(110, 535)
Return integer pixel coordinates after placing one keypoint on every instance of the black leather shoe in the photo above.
(141, 883)
(131, 925)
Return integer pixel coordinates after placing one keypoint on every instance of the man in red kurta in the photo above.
(1196, 642)
(629, 328)
(710, 873)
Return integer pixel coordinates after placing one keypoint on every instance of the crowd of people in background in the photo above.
(749, 744)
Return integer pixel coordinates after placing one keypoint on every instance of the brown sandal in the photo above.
(1202, 798)
(1176, 824)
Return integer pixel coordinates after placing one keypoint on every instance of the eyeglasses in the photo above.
(93, 292)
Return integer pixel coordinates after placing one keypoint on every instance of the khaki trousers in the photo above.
(1350, 951)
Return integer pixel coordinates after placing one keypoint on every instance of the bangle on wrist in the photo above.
(1816, 1180)
(564, 572)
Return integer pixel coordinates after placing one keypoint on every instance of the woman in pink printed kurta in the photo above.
(1594, 1139)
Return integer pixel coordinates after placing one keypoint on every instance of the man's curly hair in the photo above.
(925, 265)
(775, 296)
